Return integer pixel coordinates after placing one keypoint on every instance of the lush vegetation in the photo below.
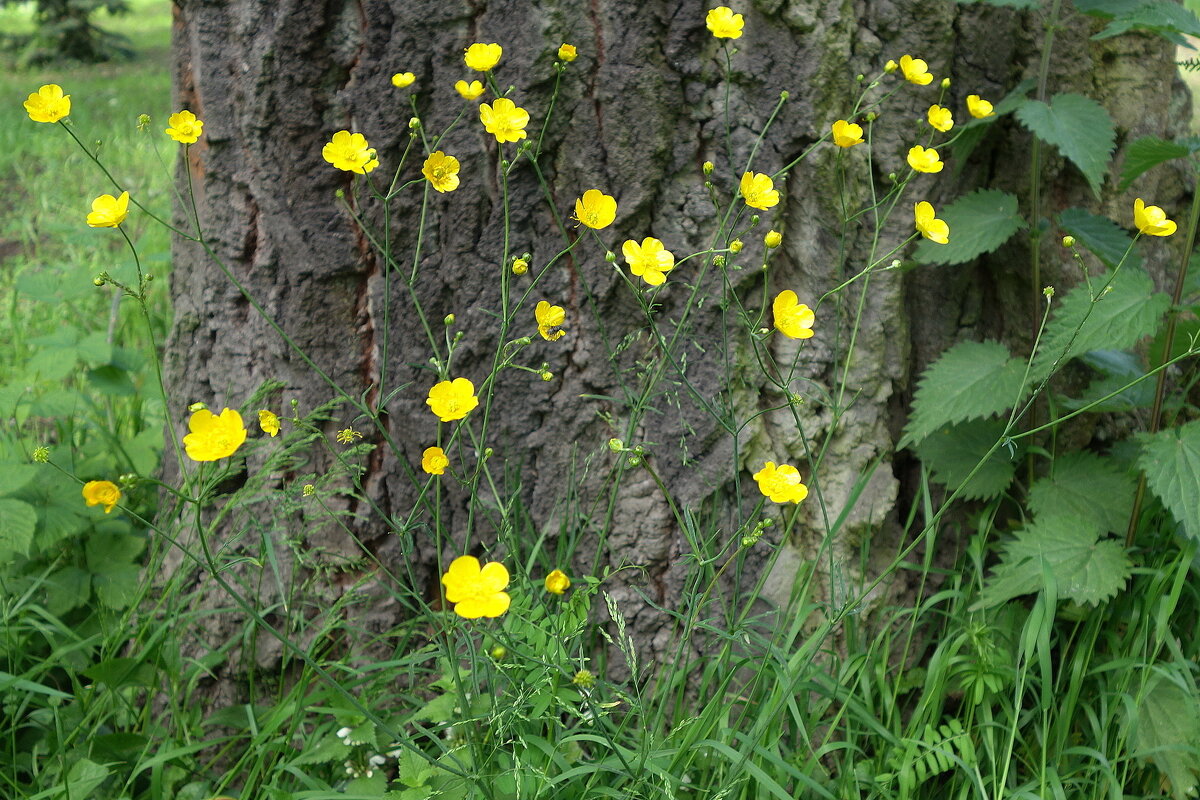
(1055, 657)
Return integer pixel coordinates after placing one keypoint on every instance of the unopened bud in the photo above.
(784, 95)
(499, 652)
(1068, 241)
(708, 168)
(633, 461)
(945, 83)
(735, 246)
(773, 239)
(616, 445)
(194, 407)
(98, 280)
(890, 66)
(448, 319)
(860, 77)
(547, 375)
(414, 123)
(520, 266)
(610, 257)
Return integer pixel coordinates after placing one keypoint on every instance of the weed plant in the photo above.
(1055, 659)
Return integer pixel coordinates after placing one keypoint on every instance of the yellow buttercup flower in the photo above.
(929, 226)
(102, 493)
(183, 127)
(557, 582)
(451, 400)
(269, 422)
(978, 108)
(781, 484)
(1151, 220)
(649, 260)
(924, 160)
(915, 71)
(402, 80)
(520, 266)
(940, 118)
(350, 152)
(476, 591)
(759, 191)
(214, 437)
(48, 104)
(441, 171)
(773, 239)
(596, 209)
(434, 460)
(723, 23)
(504, 119)
(792, 318)
(567, 52)
(469, 91)
(482, 57)
(548, 318)
(108, 211)
(847, 134)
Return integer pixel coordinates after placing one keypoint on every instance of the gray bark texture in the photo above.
(638, 113)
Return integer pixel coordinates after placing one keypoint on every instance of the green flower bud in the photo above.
(1068, 241)
(616, 445)
(708, 168)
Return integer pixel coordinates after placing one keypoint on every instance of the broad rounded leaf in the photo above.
(1079, 127)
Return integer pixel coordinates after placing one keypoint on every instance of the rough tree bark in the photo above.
(639, 112)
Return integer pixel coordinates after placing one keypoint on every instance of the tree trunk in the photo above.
(637, 114)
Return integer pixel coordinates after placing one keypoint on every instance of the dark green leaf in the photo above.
(968, 381)
(1166, 18)
(1145, 154)
(1118, 368)
(953, 452)
(1171, 461)
(1106, 8)
(1166, 730)
(1079, 127)
(1100, 235)
(18, 521)
(979, 223)
(117, 673)
(112, 381)
(1085, 486)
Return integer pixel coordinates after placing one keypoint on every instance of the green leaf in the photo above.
(1117, 368)
(117, 673)
(979, 223)
(1129, 311)
(1166, 730)
(1079, 127)
(1171, 461)
(970, 380)
(108, 549)
(112, 381)
(1018, 4)
(328, 749)
(18, 521)
(952, 453)
(1086, 486)
(15, 477)
(1146, 154)
(68, 588)
(1101, 235)
(1168, 19)
(1086, 568)
(1106, 8)
(117, 587)
(84, 777)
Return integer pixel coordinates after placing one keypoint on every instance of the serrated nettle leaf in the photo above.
(18, 521)
(1079, 127)
(1129, 311)
(1146, 154)
(1018, 4)
(1084, 567)
(953, 452)
(1106, 8)
(1168, 19)
(968, 381)
(1086, 486)
(1171, 461)
(1165, 729)
(1102, 236)
(979, 223)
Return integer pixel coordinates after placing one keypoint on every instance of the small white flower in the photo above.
(377, 760)
(344, 734)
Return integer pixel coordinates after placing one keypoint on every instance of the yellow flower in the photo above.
(102, 493)
(469, 91)
(108, 211)
(567, 53)
(482, 57)
(549, 317)
(520, 266)
(434, 460)
(781, 484)
(269, 422)
(214, 437)
(476, 591)
(650, 261)
(932, 228)
(347, 436)
(557, 582)
(596, 209)
(451, 400)
(350, 151)
(183, 127)
(978, 108)
(723, 23)
(773, 239)
(1151, 220)
(890, 67)
(48, 104)
(441, 171)
(847, 134)
(402, 79)
(923, 160)
(504, 119)
(940, 118)
(915, 71)
(759, 190)
(792, 318)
